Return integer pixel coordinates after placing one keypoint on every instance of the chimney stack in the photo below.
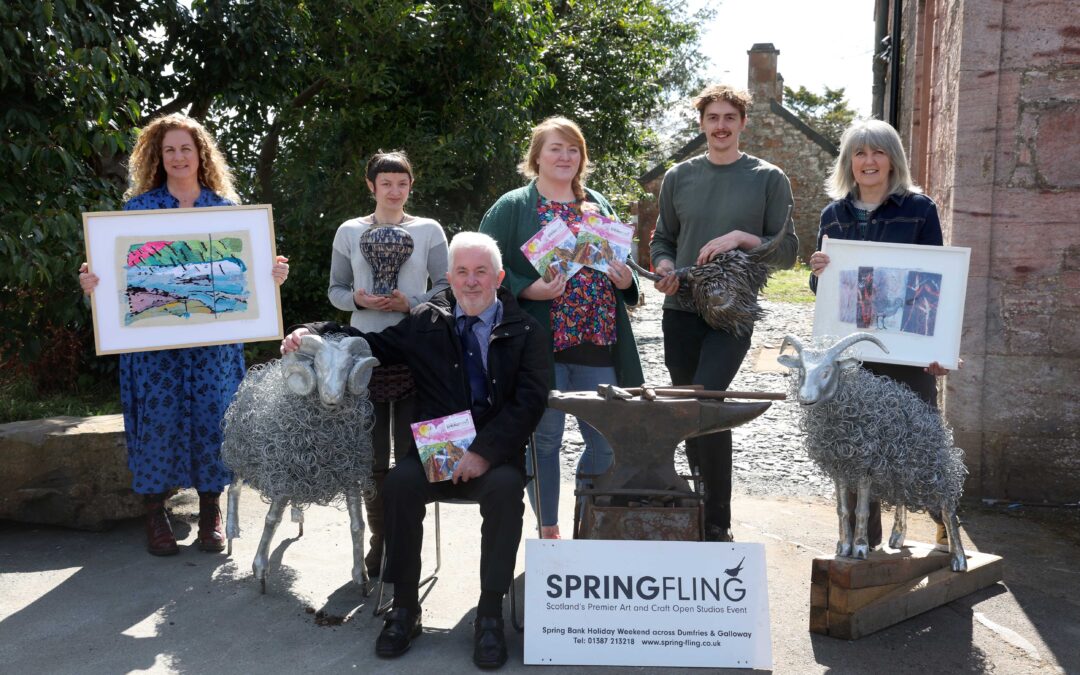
(762, 80)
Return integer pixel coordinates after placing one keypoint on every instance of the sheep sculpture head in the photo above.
(325, 364)
(818, 370)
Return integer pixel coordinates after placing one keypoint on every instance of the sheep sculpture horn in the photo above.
(838, 348)
(793, 341)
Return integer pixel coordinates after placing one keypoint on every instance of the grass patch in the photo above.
(19, 400)
(789, 286)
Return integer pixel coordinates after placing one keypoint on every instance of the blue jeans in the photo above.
(597, 456)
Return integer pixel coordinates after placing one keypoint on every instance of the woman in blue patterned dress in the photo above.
(591, 339)
(174, 399)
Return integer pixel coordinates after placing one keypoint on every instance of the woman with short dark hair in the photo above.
(381, 266)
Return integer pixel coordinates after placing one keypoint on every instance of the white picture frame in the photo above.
(172, 278)
(909, 296)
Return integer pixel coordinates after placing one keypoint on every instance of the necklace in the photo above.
(375, 221)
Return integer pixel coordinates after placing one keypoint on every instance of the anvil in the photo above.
(643, 434)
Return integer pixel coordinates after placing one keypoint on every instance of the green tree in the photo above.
(299, 94)
(828, 112)
(69, 105)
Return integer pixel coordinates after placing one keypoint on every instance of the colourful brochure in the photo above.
(601, 240)
(551, 250)
(442, 443)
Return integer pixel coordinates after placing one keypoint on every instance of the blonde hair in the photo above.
(739, 98)
(876, 135)
(568, 129)
(146, 170)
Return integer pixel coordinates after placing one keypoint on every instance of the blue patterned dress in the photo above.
(174, 399)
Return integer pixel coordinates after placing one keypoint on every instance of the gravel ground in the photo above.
(768, 458)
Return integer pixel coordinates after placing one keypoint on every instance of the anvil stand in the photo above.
(641, 496)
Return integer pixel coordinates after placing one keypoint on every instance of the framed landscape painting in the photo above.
(910, 297)
(182, 277)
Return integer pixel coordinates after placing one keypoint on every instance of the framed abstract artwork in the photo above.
(182, 277)
(910, 297)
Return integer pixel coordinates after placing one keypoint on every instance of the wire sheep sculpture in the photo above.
(724, 291)
(874, 435)
(299, 430)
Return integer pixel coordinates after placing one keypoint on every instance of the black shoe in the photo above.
(717, 533)
(489, 642)
(399, 628)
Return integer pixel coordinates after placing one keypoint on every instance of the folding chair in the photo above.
(382, 605)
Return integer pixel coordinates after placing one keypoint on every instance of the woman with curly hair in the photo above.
(585, 316)
(174, 399)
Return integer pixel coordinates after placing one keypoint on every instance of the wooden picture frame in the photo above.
(172, 278)
(909, 296)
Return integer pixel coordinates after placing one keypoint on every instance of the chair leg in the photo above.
(536, 485)
(519, 626)
(382, 605)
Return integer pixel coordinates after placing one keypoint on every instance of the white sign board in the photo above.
(646, 603)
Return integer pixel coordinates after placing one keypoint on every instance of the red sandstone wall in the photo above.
(1002, 158)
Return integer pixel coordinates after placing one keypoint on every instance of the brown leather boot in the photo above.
(374, 508)
(211, 534)
(159, 535)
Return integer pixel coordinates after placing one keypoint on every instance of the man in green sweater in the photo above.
(710, 204)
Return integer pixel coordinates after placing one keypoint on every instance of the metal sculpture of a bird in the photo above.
(724, 291)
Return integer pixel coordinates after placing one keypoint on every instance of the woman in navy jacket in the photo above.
(876, 200)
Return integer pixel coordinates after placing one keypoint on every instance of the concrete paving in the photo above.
(87, 603)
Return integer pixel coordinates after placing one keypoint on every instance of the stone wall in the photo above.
(783, 140)
(69, 471)
(992, 115)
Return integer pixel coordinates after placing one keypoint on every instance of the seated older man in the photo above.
(469, 348)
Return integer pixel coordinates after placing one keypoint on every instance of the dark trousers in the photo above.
(406, 493)
(925, 387)
(402, 431)
(697, 354)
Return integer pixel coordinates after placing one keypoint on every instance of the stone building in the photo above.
(989, 107)
(774, 134)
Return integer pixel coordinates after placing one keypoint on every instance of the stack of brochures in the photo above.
(555, 249)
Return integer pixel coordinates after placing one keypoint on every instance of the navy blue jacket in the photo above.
(900, 219)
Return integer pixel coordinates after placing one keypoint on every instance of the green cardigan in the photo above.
(511, 221)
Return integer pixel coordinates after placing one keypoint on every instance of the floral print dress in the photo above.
(585, 313)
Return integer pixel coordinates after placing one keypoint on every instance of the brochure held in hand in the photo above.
(442, 442)
(551, 250)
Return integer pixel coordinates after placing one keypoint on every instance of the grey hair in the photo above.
(476, 240)
(290, 446)
(876, 135)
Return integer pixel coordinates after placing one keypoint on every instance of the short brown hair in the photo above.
(740, 98)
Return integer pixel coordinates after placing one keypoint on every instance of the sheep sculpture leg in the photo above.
(843, 513)
(262, 555)
(354, 503)
(232, 518)
(956, 547)
(899, 528)
(861, 546)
